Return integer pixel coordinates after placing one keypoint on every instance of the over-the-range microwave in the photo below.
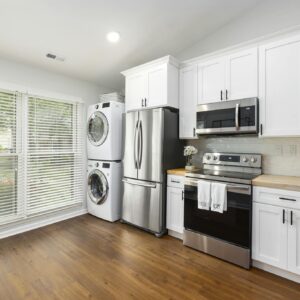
(228, 117)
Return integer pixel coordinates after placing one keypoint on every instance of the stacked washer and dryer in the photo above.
(104, 148)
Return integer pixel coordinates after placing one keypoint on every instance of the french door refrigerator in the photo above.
(152, 146)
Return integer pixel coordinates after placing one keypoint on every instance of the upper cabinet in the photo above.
(229, 77)
(211, 81)
(188, 102)
(279, 94)
(152, 85)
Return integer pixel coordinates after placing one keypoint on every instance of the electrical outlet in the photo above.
(293, 150)
(278, 150)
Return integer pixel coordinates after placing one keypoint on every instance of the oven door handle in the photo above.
(233, 188)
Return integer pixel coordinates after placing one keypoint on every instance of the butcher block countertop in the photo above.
(179, 172)
(291, 183)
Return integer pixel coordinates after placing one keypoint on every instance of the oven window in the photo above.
(233, 226)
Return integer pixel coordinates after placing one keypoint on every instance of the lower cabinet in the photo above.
(175, 205)
(276, 228)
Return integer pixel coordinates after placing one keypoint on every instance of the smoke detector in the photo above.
(55, 57)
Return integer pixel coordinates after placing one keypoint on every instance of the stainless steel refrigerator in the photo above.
(152, 146)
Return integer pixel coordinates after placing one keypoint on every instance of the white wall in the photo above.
(35, 78)
(268, 17)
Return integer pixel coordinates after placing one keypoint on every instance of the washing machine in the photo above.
(104, 189)
(104, 136)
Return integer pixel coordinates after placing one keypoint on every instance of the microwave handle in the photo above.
(237, 108)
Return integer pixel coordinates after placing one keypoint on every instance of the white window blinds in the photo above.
(54, 155)
(41, 156)
(11, 203)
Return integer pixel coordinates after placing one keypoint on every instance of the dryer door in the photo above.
(97, 187)
(97, 128)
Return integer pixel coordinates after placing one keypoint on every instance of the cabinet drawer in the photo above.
(283, 198)
(176, 181)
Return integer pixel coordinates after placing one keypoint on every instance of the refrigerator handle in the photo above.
(140, 183)
(135, 144)
(140, 155)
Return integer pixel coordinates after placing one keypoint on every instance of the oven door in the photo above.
(228, 117)
(233, 225)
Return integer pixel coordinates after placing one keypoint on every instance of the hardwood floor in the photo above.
(86, 258)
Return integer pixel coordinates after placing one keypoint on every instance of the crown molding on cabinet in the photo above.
(165, 59)
(245, 45)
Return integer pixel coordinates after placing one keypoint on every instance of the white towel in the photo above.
(204, 194)
(218, 197)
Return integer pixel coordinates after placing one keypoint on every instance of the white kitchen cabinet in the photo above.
(135, 90)
(279, 71)
(188, 102)
(242, 75)
(211, 81)
(269, 235)
(294, 241)
(276, 228)
(175, 192)
(229, 77)
(154, 84)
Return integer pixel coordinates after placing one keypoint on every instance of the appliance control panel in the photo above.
(233, 159)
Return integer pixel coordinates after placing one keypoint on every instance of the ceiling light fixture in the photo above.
(113, 36)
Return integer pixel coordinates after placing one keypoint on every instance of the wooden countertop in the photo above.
(179, 172)
(291, 183)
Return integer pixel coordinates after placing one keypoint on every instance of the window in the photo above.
(10, 176)
(51, 162)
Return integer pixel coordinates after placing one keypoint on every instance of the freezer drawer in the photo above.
(143, 205)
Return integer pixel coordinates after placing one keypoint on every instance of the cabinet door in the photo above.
(269, 235)
(279, 72)
(211, 81)
(175, 209)
(188, 102)
(135, 91)
(242, 75)
(157, 86)
(294, 241)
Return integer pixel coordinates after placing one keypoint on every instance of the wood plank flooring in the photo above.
(86, 258)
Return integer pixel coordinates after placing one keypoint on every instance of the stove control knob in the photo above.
(215, 157)
(245, 159)
(208, 157)
(253, 159)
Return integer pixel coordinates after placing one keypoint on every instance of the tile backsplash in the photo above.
(281, 156)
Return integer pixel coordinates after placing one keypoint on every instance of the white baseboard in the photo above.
(276, 271)
(175, 234)
(28, 225)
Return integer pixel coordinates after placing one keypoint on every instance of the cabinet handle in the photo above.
(287, 199)
(145, 102)
(291, 217)
(175, 181)
(226, 94)
(182, 195)
(142, 102)
(194, 131)
(261, 129)
(221, 95)
(283, 216)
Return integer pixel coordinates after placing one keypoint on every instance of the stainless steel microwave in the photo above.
(228, 117)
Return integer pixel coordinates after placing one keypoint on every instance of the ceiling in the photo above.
(76, 30)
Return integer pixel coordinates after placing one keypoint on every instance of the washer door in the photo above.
(97, 128)
(97, 187)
